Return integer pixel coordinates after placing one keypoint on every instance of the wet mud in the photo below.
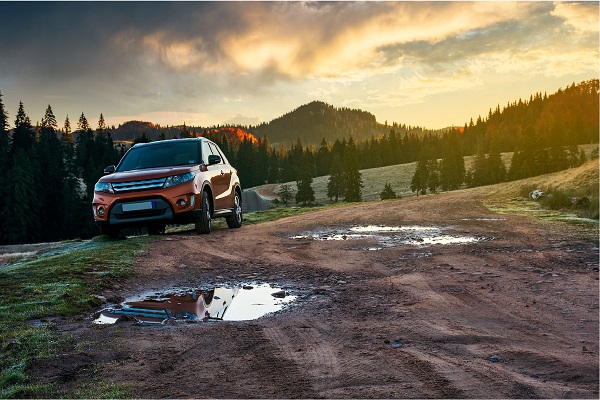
(512, 314)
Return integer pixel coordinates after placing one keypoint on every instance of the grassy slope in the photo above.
(56, 283)
(399, 177)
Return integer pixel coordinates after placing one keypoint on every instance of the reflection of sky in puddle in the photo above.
(390, 236)
(243, 303)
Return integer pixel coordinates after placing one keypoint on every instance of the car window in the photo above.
(213, 147)
(206, 151)
(160, 155)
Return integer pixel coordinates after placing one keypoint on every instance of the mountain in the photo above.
(317, 120)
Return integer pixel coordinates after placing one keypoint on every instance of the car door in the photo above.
(225, 197)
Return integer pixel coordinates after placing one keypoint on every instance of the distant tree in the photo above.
(387, 193)
(323, 159)
(4, 142)
(452, 165)
(83, 125)
(142, 138)
(185, 132)
(5, 160)
(352, 176)
(433, 178)
(286, 193)
(305, 193)
(479, 171)
(102, 129)
(23, 134)
(419, 180)
(495, 166)
(335, 184)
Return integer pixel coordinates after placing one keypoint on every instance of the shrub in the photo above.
(388, 193)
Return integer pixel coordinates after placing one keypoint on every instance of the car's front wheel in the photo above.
(203, 220)
(235, 219)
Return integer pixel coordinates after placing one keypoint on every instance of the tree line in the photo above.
(47, 176)
(47, 173)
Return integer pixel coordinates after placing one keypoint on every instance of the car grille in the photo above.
(139, 185)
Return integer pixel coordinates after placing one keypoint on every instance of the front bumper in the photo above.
(132, 209)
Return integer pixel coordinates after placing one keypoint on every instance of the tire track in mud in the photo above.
(259, 361)
(313, 351)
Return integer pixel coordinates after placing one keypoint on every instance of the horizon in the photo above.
(431, 65)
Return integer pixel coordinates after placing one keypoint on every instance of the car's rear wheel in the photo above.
(203, 220)
(235, 219)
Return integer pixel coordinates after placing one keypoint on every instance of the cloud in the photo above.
(583, 17)
(254, 58)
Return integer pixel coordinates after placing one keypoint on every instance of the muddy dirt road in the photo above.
(447, 300)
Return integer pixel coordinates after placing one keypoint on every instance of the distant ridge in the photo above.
(311, 123)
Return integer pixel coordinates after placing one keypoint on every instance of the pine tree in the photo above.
(418, 183)
(352, 176)
(305, 191)
(452, 166)
(4, 164)
(387, 193)
(433, 178)
(23, 135)
(323, 161)
(335, 184)
(52, 170)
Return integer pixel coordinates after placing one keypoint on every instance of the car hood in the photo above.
(149, 173)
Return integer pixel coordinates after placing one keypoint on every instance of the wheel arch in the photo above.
(206, 188)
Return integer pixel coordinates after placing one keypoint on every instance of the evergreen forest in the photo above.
(48, 171)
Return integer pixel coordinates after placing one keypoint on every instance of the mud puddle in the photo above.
(390, 236)
(236, 303)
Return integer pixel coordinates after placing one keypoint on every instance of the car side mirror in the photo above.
(109, 170)
(213, 159)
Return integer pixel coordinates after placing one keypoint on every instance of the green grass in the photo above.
(276, 213)
(56, 284)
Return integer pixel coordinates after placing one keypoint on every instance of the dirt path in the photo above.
(514, 314)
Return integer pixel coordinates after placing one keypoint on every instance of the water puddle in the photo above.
(236, 303)
(390, 236)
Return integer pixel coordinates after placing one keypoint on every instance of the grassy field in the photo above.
(399, 177)
(37, 291)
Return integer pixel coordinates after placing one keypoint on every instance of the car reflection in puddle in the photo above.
(390, 236)
(240, 303)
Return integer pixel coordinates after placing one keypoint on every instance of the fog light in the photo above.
(100, 211)
(181, 203)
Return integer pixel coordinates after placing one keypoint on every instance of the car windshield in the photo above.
(166, 154)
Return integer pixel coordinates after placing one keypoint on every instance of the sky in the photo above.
(428, 64)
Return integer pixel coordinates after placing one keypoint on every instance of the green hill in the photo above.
(317, 120)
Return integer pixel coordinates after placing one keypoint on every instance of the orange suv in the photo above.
(168, 182)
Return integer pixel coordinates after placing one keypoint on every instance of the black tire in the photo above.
(203, 220)
(156, 229)
(235, 220)
(110, 231)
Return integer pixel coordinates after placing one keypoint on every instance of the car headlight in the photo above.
(178, 179)
(104, 187)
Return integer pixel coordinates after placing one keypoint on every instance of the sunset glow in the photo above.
(432, 64)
